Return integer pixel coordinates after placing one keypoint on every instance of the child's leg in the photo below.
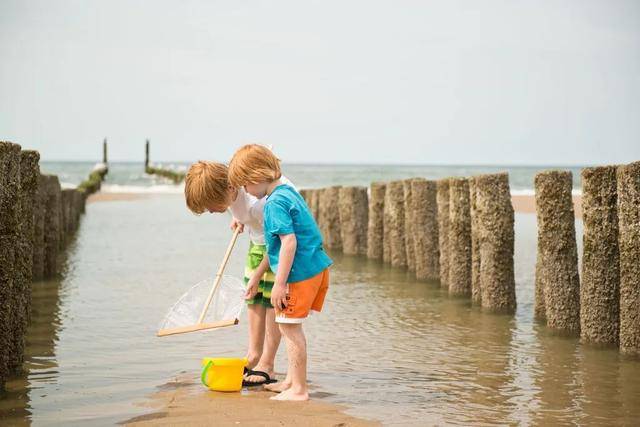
(256, 318)
(297, 354)
(271, 344)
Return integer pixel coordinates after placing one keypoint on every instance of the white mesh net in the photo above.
(227, 303)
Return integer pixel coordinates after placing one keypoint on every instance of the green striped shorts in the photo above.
(254, 258)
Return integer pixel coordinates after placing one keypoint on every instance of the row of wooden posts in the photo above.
(175, 176)
(37, 220)
(460, 232)
(602, 304)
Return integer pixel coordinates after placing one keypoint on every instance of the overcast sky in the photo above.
(437, 82)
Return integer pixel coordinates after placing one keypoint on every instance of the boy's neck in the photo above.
(273, 186)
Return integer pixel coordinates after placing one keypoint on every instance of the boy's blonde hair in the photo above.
(206, 183)
(253, 164)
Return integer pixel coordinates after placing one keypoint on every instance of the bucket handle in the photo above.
(203, 377)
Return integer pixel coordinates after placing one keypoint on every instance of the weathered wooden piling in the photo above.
(459, 237)
(557, 284)
(424, 217)
(52, 225)
(104, 151)
(9, 233)
(146, 154)
(408, 225)
(314, 197)
(600, 287)
(353, 204)
(476, 292)
(330, 217)
(29, 176)
(496, 218)
(375, 228)
(38, 229)
(628, 183)
(394, 224)
(443, 230)
(66, 200)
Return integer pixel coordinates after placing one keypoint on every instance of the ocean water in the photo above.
(387, 346)
(130, 177)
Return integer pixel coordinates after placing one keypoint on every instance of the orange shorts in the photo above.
(303, 297)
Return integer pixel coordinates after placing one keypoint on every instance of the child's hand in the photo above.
(279, 297)
(235, 223)
(252, 287)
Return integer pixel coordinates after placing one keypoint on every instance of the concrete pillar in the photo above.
(9, 232)
(557, 285)
(442, 197)
(38, 229)
(408, 225)
(52, 225)
(330, 217)
(353, 204)
(424, 217)
(29, 175)
(394, 223)
(476, 292)
(459, 237)
(628, 180)
(600, 287)
(493, 200)
(375, 228)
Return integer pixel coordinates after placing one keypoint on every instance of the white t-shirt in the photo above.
(250, 212)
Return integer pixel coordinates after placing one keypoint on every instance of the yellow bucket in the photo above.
(223, 373)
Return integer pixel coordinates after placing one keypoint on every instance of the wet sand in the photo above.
(527, 204)
(185, 402)
(113, 197)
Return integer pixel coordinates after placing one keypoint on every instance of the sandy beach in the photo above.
(113, 197)
(186, 402)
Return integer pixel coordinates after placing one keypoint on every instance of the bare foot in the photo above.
(259, 378)
(277, 387)
(292, 395)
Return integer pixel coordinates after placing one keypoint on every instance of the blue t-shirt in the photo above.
(285, 212)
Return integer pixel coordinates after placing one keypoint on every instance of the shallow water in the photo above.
(389, 347)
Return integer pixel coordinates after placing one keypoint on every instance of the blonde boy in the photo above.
(207, 189)
(295, 252)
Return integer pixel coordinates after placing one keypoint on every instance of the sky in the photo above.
(512, 82)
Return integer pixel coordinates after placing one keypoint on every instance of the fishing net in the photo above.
(226, 305)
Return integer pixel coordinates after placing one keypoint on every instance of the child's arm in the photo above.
(287, 252)
(254, 281)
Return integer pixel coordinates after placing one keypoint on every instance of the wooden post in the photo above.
(146, 154)
(394, 224)
(104, 151)
(476, 291)
(496, 218)
(330, 217)
(9, 233)
(38, 229)
(375, 229)
(443, 230)
(424, 216)
(600, 287)
(52, 225)
(408, 225)
(459, 238)
(29, 174)
(628, 181)
(557, 285)
(353, 204)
